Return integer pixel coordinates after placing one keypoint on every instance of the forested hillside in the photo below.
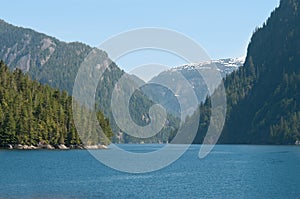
(263, 96)
(31, 113)
(56, 64)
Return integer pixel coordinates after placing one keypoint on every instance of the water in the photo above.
(228, 172)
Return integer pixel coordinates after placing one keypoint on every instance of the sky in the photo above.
(222, 27)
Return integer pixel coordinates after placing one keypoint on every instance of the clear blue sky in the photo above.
(222, 27)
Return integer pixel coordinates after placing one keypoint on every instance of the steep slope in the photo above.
(263, 96)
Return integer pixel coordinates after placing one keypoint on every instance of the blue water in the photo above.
(228, 172)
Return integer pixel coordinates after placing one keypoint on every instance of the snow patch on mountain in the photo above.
(225, 66)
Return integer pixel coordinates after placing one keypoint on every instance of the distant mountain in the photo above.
(263, 96)
(190, 73)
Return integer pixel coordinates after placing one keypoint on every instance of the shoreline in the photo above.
(53, 147)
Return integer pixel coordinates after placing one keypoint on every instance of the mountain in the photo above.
(31, 113)
(177, 77)
(51, 61)
(263, 95)
(56, 63)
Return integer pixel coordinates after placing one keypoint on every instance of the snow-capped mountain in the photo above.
(165, 97)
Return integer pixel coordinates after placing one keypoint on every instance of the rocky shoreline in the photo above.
(52, 147)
